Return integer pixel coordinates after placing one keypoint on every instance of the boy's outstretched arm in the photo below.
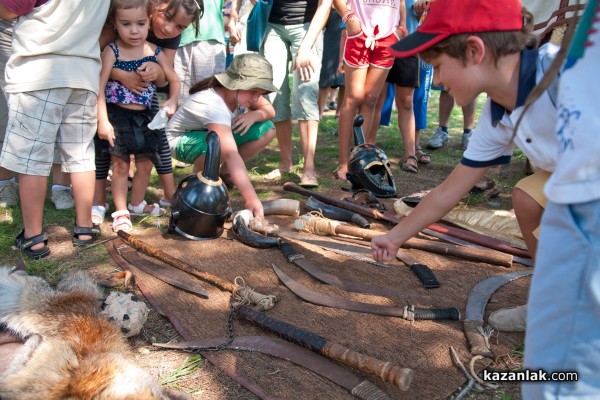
(431, 209)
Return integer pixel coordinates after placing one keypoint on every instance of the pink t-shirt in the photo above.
(379, 17)
(22, 7)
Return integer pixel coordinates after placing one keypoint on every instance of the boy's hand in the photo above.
(171, 106)
(106, 132)
(384, 249)
(244, 122)
(149, 71)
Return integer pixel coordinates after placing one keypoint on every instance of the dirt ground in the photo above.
(209, 382)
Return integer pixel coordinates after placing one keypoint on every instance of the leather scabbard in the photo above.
(172, 276)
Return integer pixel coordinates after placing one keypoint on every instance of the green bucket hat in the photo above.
(246, 72)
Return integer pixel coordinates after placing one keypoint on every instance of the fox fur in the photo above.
(70, 350)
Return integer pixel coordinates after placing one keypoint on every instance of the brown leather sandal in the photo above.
(408, 166)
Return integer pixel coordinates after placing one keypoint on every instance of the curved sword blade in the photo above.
(288, 351)
(481, 292)
(321, 299)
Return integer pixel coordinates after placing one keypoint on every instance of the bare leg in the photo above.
(100, 192)
(119, 182)
(33, 188)
(59, 177)
(283, 130)
(167, 181)
(250, 149)
(199, 164)
(446, 105)
(373, 84)
(406, 119)
(308, 138)
(83, 193)
(5, 174)
(140, 184)
(340, 101)
(354, 94)
(529, 215)
(322, 100)
(469, 115)
(417, 136)
(377, 113)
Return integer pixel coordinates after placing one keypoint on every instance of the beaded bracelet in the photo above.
(347, 15)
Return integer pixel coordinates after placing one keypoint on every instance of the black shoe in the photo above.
(25, 245)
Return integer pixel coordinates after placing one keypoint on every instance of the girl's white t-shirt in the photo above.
(196, 112)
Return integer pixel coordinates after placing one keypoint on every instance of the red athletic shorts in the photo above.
(357, 55)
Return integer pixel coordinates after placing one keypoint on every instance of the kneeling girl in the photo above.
(231, 104)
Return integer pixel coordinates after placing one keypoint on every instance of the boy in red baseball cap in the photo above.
(485, 46)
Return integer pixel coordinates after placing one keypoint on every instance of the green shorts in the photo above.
(192, 145)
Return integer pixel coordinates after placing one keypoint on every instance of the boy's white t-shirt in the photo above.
(197, 111)
(577, 175)
(56, 45)
(493, 141)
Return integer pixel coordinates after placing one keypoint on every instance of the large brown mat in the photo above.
(420, 345)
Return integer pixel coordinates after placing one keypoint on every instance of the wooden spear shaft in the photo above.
(175, 262)
(467, 253)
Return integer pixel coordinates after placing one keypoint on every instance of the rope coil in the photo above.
(244, 294)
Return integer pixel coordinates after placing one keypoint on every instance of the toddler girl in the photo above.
(123, 122)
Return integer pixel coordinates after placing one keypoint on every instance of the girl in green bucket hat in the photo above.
(231, 104)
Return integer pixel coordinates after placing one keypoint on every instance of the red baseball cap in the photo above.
(451, 17)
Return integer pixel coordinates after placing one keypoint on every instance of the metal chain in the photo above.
(226, 343)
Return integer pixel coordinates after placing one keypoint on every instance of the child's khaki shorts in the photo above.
(41, 120)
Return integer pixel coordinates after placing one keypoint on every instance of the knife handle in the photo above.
(412, 313)
(289, 252)
(425, 275)
(386, 371)
(282, 329)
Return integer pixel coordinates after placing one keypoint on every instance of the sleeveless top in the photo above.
(117, 93)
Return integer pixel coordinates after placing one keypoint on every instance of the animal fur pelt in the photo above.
(69, 351)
